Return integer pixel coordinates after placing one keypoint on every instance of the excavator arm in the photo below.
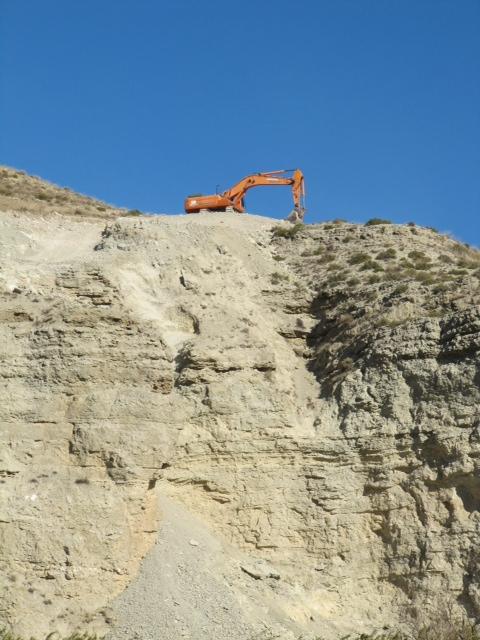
(273, 178)
(234, 198)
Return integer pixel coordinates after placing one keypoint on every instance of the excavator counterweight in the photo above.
(234, 198)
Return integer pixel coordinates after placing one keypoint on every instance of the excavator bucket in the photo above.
(292, 216)
(296, 215)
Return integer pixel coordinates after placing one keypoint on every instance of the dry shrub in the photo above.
(388, 254)
(287, 232)
(327, 257)
(359, 258)
(275, 278)
(418, 255)
(371, 266)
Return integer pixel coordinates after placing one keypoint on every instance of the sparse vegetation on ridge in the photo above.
(25, 193)
(388, 277)
(376, 221)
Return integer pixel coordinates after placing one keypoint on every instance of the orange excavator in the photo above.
(234, 199)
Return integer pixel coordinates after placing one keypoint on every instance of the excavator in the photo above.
(234, 199)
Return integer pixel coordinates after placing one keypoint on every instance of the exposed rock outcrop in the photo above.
(313, 398)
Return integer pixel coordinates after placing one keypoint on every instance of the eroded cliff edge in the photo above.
(313, 398)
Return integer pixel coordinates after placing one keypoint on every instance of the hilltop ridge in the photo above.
(22, 192)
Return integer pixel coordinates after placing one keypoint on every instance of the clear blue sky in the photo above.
(141, 103)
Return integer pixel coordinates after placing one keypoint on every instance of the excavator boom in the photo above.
(234, 198)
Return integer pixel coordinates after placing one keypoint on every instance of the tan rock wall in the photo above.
(340, 449)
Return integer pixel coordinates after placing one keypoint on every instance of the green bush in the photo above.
(374, 221)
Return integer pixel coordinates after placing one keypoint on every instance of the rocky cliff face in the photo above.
(313, 399)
